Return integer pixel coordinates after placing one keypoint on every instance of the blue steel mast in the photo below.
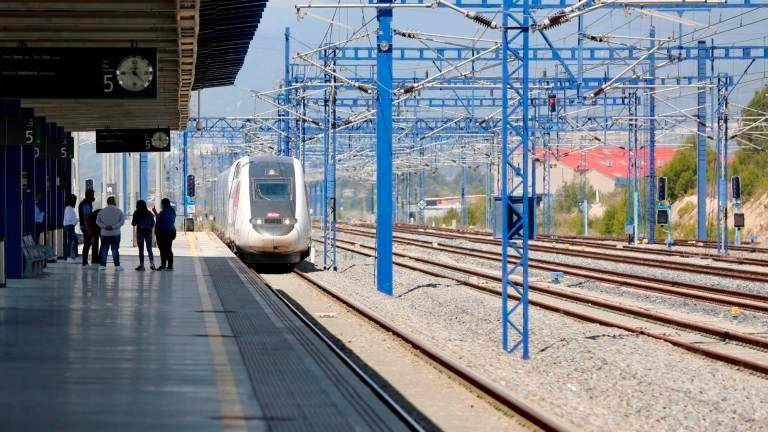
(701, 144)
(652, 139)
(384, 149)
(514, 182)
(285, 142)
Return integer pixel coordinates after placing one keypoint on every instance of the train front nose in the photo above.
(277, 233)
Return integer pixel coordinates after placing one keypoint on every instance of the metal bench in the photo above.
(2, 262)
(34, 257)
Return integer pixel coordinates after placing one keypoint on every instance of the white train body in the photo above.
(261, 209)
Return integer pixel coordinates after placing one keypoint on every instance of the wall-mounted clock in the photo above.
(134, 73)
(160, 140)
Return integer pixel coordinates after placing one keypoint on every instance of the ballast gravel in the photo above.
(597, 264)
(591, 377)
(744, 320)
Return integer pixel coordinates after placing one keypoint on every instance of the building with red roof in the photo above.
(605, 167)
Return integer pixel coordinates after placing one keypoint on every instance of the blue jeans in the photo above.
(145, 239)
(108, 242)
(70, 241)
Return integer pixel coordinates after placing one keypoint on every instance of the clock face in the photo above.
(135, 73)
(160, 140)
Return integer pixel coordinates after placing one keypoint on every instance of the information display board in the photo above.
(133, 140)
(57, 144)
(78, 73)
(21, 131)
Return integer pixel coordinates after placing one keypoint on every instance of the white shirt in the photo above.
(70, 216)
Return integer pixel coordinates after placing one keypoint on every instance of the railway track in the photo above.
(718, 296)
(706, 244)
(602, 243)
(369, 381)
(735, 348)
(481, 384)
(613, 256)
(665, 252)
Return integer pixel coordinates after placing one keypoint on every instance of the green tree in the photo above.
(614, 218)
(751, 160)
(681, 170)
(571, 195)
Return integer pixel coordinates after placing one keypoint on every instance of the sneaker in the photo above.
(161, 268)
(140, 268)
(118, 269)
(152, 266)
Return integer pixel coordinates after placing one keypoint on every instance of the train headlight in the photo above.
(257, 221)
(287, 221)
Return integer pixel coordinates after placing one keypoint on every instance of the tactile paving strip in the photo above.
(299, 382)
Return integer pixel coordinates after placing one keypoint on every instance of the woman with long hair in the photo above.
(144, 220)
(165, 230)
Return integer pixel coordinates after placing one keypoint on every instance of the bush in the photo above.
(614, 218)
(570, 196)
(681, 170)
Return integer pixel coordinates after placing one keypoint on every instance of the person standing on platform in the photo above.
(96, 236)
(90, 241)
(165, 230)
(70, 220)
(39, 217)
(144, 220)
(110, 219)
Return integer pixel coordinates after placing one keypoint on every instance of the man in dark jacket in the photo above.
(90, 239)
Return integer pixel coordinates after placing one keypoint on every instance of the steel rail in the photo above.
(359, 372)
(719, 296)
(736, 360)
(482, 384)
(743, 274)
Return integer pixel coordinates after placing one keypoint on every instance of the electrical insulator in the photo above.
(662, 189)
(736, 187)
(552, 102)
(190, 185)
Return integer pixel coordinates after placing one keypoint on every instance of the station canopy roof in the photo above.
(200, 43)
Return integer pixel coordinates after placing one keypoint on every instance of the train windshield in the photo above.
(271, 190)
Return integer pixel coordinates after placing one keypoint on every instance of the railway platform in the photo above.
(205, 347)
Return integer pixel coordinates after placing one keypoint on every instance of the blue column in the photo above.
(516, 230)
(143, 175)
(12, 199)
(286, 123)
(464, 215)
(384, 150)
(652, 140)
(701, 145)
(28, 167)
(183, 202)
(124, 188)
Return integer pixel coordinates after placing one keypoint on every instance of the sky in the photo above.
(263, 66)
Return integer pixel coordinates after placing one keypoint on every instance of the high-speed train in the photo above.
(261, 208)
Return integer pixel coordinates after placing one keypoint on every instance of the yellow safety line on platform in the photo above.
(231, 410)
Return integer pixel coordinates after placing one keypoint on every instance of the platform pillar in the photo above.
(12, 196)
